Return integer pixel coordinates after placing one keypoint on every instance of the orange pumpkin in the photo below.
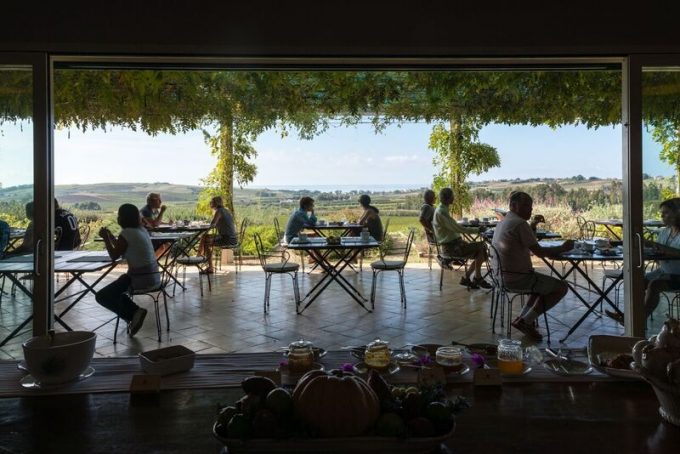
(337, 405)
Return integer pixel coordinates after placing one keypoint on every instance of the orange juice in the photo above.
(510, 367)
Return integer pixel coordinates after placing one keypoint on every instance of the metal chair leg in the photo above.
(441, 278)
(296, 292)
(403, 288)
(375, 274)
(267, 286)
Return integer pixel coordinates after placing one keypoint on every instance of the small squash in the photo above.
(336, 405)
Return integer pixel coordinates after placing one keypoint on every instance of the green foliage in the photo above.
(457, 155)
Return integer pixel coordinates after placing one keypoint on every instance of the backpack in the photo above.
(70, 235)
(4, 238)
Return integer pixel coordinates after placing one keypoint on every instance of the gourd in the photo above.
(336, 405)
(660, 355)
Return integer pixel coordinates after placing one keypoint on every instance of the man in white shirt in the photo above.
(515, 240)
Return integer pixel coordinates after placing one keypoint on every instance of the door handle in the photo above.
(639, 239)
(36, 259)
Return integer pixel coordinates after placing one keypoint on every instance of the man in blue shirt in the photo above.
(300, 218)
(152, 212)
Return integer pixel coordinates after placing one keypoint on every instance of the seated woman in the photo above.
(371, 218)
(666, 278)
(223, 221)
(133, 244)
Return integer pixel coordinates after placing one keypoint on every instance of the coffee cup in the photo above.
(464, 219)
(365, 235)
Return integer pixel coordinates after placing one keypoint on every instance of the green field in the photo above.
(261, 206)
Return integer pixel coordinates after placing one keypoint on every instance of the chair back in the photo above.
(84, 234)
(588, 230)
(409, 243)
(277, 229)
(429, 235)
(261, 253)
(242, 231)
(494, 264)
(385, 228)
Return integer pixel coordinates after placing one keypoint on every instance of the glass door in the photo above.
(25, 192)
(661, 192)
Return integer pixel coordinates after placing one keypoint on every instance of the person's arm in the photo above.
(159, 219)
(114, 246)
(426, 225)
(448, 223)
(311, 220)
(216, 217)
(660, 248)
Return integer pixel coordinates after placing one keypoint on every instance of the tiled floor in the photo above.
(231, 319)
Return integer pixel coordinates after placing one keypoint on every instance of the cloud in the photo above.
(401, 158)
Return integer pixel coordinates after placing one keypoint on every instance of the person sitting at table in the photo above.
(223, 222)
(427, 214)
(152, 212)
(133, 244)
(371, 218)
(667, 275)
(4, 238)
(449, 236)
(515, 241)
(300, 218)
(70, 235)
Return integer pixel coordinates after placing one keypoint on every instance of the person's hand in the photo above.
(163, 207)
(104, 232)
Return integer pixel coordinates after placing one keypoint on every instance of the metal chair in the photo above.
(392, 265)
(503, 296)
(84, 235)
(235, 248)
(282, 267)
(382, 242)
(155, 294)
(461, 262)
(199, 261)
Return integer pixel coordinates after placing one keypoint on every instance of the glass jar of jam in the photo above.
(378, 354)
(300, 356)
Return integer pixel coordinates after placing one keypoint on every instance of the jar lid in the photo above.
(509, 342)
(300, 344)
(377, 344)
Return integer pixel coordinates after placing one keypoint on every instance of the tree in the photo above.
(457, 155)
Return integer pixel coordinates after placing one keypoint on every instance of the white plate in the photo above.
(30, 382)
(363, 368)
(553, 365)
(604, 346)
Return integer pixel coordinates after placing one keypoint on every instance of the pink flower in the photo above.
(478, 360)
(283, 363)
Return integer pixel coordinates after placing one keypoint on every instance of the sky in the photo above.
(342, 157)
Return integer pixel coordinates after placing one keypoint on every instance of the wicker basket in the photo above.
(336, 445)
(668, 395)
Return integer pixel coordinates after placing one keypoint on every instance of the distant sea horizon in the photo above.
(340, 187)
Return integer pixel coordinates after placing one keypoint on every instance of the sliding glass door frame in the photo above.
(43, 184)
(633, 187)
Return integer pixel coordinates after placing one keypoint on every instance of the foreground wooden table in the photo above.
(616, 417)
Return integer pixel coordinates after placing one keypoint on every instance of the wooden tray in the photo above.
(383, 445)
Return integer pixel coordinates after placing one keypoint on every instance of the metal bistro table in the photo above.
(347, 250)
(74, 263)
(648, 224)
(540, 235)
(575, 259)
(345, 229)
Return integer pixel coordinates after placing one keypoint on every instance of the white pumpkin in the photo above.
(656, 361)
(673, 372)
(639, 348)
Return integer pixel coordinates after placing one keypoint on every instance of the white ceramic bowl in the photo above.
(61, 358)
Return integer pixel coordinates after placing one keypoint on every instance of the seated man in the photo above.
(371, 218)
(514, 240)
(70, 235)
(448, 233)
(152, 212)
(300, 218)
(427, 214)
(667, 276)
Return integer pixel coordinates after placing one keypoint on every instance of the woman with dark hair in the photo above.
(371, 218)
(667, 276)
(223, 221)
(134, 245)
